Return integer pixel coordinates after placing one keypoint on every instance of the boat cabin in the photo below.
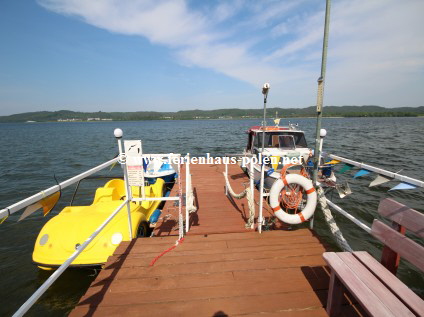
(280, 138)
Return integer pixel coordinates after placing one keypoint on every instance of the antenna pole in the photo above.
(320, 95)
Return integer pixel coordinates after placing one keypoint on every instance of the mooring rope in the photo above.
(178, 242)
(341, 241)
(250, 200)
(190, 197)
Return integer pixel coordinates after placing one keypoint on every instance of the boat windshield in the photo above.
(284, 140)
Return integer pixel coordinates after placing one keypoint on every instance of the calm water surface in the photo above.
(33, 153)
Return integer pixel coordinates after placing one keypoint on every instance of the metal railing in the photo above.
(122, 160)
(348, 216)
(380, 171)
(51, 190)
(370, 168)
(40, 291)
(189, 194)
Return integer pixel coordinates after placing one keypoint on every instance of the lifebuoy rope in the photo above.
(292, 198)
(275, 198)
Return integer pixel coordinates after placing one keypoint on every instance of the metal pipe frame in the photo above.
(180, 204)
(155, 198)
(252, 189)
(380, 171)
(128, 190)
(320, 94)
(40, 291)
(187, 189)
(49, 191)
(349, 216)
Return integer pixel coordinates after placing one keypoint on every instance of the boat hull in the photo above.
(65, 232)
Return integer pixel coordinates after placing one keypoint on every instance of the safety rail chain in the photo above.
(121, 159)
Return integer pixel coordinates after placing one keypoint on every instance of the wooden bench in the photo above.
(373, 284)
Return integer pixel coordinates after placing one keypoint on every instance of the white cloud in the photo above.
(376, 46)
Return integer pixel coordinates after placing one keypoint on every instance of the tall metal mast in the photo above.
(320, 96)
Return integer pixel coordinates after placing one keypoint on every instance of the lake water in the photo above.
(33, 153)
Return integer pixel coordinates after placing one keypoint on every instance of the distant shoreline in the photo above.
(258, 119)
(218, 114)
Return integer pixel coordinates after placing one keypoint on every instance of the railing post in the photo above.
(252, 188)
(180, 202)
(261, 195)
(226, 174)
(143, 182)
(118, 134)
(188, 191)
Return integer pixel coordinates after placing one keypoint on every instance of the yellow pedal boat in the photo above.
(63, 234)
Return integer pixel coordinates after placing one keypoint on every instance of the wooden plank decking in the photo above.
(221, 268)
(216, 212)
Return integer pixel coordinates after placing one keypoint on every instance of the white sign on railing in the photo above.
(134, 164)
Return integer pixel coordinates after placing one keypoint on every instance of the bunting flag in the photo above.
(269, 172)
(380, 179)
(346, 168)
(361, 172)
(343, 189)
(47, 203)
(113, 165)
(333, 162)
(3, 219)
(275, 160)
(403, 186)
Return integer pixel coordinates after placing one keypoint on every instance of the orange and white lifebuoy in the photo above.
(311, 202)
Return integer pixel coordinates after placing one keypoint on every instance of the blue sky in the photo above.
(121, 55)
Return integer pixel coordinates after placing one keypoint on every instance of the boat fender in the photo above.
(155, 216)
(269, 172)
(311, 203)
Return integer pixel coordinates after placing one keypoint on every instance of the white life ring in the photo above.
(311, 203)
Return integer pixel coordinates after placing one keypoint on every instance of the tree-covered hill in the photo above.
(329, 111)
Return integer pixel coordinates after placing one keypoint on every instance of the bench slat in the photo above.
(399, 243)
(403, 215)
(370, 302)
(405, 294)
(369, 279)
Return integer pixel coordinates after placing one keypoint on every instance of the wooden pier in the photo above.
(220, 269)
